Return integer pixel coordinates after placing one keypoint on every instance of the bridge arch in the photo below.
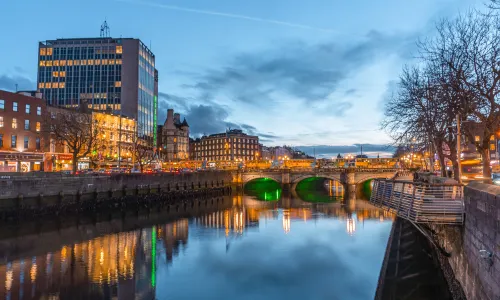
(250, 177)
(294, 181)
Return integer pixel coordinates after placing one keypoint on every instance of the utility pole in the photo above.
(459, 151)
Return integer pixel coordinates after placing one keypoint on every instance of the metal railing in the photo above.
(420, 202)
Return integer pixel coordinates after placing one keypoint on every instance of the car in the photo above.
(102, 171)
(495, 178)
(115, 170)
(135, 171)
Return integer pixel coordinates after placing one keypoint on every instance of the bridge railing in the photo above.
(420, 202)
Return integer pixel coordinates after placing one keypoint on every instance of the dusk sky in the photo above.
(294, 72)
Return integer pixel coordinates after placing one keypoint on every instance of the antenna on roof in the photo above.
(105, 29)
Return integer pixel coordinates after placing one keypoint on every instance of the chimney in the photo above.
(169, 123)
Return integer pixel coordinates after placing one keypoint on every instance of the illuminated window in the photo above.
(54, 85)
(90, 62)
(49, 51)
(118, 61)
(28, 108)
(104, 61)
(118, 84)
(14, 123)
(38, 111)
(97, 62)
(55, 74)
(70, 62)
(37, 127)
(83, 62)
(41, 85)
(14, 106)
(26, 124)
(56, 63)
(62, 74)
(62, 63)
(119, 49)
(48, 63)
(62, 85)
(42, 63)
(43, 51)
(477, 138)
(1, 121)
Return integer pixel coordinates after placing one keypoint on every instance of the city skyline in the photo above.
(307, 75)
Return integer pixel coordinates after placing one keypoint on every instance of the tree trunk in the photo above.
(485, 153)
(75, 162)
(441, 160)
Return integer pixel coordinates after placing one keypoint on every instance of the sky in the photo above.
(301, 73)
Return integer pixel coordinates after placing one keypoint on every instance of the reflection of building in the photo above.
(116, 266)
(173, 235)
(174, 137)
(22, 141)
(233, 220)
(116, 74)
(228, 146)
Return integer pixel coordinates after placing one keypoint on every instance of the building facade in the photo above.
(22, 141)
(174, 138)
(113, 74)
(233, 145)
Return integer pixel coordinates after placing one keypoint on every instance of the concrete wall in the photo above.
(478, 276)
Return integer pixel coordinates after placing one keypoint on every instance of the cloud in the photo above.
(9, 83)
(329, 151)
(229, 15)
(307, 73)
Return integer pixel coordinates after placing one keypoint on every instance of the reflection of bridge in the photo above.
(349, 177)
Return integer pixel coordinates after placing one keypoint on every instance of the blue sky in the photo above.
(294, 72)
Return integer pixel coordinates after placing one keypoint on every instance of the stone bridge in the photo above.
(350, 178)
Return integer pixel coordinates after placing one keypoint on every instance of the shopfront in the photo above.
(21, 162)
(56, 162)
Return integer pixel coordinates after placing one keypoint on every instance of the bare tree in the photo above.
(73, 129)
(469, 49)
(142, 153)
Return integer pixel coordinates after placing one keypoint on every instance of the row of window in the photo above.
(225, 158)
(15, 107)
(227, 146)
(62, 85)
(244, 152)
(26, 124)
(13, 142)
(80, 62)
(220, 141)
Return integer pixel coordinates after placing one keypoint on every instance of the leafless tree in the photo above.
(142, 153)
(73, 129)
(469, 49)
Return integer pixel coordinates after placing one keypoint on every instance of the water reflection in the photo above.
(242, 248)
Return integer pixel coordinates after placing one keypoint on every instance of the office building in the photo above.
(117, 75)
(174, 138)
(233, 145)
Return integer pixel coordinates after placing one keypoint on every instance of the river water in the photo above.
(270, 245)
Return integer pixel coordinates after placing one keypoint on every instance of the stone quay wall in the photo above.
(475, 248)
(50, 191)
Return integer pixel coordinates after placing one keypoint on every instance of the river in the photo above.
(254, 245)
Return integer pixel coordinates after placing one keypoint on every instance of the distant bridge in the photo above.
(348, 177)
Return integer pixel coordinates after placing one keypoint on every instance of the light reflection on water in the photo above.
(244, 249)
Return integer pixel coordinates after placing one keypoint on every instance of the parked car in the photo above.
(135, 171)
(102, 171)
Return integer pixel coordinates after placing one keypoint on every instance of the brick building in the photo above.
(22, 142)
(174, 138)
(233, 145)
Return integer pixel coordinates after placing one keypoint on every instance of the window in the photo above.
(37, 143)
(37, 126)
(28, 108)
(492, 147)
(2, 104)
(477, 138)
(14, 106)
(43, 51)
(26, 124)
(1, 140)
(14, 123)
(1, 121)
(26, 142)
(119, 49)
(13, 141)
(118, 84)
(39, 111)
